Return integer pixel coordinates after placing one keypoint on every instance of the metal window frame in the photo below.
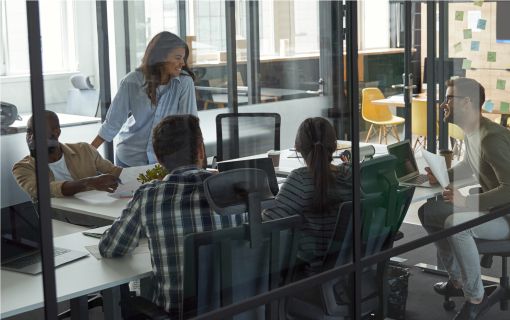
(431, 80)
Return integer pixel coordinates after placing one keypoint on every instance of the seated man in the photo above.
(487, 157)
(74, 167)
(165, 211)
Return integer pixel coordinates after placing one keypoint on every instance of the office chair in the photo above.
(488, 249)
(383, 208)
(246, 134)
(378, 115)
(83, 98)
(226, 266)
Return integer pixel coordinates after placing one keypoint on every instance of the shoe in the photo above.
(471, 311)
(448, 289)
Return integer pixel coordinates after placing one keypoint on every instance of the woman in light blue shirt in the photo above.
(161, 86)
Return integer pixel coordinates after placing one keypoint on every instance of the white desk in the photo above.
(21, 292)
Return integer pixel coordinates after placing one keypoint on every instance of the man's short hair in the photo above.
(466, 87)
(176, 140)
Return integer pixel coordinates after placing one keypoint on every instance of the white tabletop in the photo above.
(22, 292)
(65, 120)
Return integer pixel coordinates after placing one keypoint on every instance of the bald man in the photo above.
(74, 167)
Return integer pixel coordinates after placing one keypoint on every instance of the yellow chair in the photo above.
(419, 123)
(378, 115)
(457, 136)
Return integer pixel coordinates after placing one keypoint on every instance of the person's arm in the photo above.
(103, 182)
(97, 141)
(461, 170)
(495, 151)
(187, 98)
(24, 174)
(291, 198)
(124, 234)
(102, 165)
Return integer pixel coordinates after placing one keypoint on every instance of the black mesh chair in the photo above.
(226, 266)
(246, 134)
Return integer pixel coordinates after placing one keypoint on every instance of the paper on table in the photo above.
(129, 184)
(437, 164)
(143, 247)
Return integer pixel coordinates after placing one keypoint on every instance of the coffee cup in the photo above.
(275, 157)
(448, 157)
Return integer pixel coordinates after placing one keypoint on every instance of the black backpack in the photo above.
(8, 114)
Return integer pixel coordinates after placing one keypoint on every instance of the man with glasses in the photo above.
(487, 156)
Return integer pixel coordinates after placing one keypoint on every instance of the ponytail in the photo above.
(319, 166)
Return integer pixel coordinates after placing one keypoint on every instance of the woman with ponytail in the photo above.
(161, 86)
(314, 192)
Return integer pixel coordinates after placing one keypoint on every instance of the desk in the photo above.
(21, 292)
(397, 101)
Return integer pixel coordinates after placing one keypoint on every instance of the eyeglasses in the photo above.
(449, 98)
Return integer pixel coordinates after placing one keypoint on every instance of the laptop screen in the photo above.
(20, 231)
(265, 164)
(406, 163)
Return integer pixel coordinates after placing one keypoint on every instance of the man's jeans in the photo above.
(459, 253)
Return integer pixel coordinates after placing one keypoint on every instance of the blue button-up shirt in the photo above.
(132, 116)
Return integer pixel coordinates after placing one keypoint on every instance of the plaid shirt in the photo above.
(165, 211)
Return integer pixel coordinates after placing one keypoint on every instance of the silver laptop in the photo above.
(21, 241)
(406, 168)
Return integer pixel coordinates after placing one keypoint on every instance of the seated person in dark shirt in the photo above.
(314, 192)
(167, 210)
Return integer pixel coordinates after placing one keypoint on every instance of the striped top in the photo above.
(296, 197)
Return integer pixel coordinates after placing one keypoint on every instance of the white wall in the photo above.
(374, 24)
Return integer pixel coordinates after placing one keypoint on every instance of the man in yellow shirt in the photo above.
(74, 167)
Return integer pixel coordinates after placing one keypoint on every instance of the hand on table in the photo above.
(103, 182)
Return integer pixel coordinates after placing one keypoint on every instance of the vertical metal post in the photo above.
(41, 147)
(352, 100)
(230, 20)
(104, 68)
(127, 49)
(181, 8)
(431, 76)
(407, 69)
(253, 54)
(443, 53)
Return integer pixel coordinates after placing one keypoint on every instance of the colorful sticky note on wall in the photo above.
(459, 15)
(504, 107)
(500, 84)
(458, 46)
(491, 56)
(488, 106)
(478, 3)
(482, 23)
(468, 34)
(475, 45)
(466, 64)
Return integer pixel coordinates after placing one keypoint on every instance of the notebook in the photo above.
(406, 168)
(265, 164)
(21, 241)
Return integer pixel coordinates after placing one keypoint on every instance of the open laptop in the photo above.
(21, 241)
(406, 168)
(265, 164)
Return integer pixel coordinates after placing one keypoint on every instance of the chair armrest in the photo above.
(475, 190)
(142, 306)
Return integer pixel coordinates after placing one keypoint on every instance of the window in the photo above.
(58, 41)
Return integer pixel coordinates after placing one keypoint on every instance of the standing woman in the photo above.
(161, 86)
(314, 192)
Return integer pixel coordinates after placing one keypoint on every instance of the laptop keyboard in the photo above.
(422, 178)
(33, 259)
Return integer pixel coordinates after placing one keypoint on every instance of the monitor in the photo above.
(452, 67)
(502, 22)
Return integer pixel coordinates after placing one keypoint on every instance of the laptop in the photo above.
(406, 169)
(265, 164)
(21, 241)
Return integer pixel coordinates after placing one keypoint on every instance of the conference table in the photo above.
(23, 292)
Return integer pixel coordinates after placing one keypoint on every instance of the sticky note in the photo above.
(500, 84)
(478, 3)
(466, 64)
(459, 15)
(504, 107)
(488, 106)
(458, 46)
(491, 56)
(468, 34)
(475, 45)
(482, 23)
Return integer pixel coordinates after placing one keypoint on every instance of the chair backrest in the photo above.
(373, 112)
(225, 266)
(455, 131)
(419, 117)
(245, 134)
(83, 98)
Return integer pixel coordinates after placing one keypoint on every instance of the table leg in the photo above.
(80, 308)
(111, 303)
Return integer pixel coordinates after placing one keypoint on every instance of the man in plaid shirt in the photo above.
(165, 211)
